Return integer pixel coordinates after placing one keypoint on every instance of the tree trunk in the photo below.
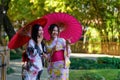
(5, 20)
(8, 27)
(1, 35)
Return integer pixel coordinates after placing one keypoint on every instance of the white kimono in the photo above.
(36, 61)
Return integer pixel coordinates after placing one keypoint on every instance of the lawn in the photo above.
(109, 74)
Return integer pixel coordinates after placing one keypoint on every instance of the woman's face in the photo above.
(40, 31)
(54, 32)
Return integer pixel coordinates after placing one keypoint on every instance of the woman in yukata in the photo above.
(58, 55)
(35, 50)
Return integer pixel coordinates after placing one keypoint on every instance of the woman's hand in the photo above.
(45, 56)
(68, 42)
(39, 39)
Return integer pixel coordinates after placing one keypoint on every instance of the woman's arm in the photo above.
(67, 47)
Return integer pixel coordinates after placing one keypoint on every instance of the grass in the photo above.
(109, 74)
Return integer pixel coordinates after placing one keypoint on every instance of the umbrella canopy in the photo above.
(70, 28)
(24, 34)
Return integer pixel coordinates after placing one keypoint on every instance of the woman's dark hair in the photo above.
(34, 32)
(52, 26)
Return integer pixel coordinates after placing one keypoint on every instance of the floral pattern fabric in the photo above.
(59, 70)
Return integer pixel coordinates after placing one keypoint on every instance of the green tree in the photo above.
(103, 15)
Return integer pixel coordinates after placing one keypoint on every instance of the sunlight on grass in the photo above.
(109, 74)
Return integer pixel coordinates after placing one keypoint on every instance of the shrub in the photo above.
(113, 63)
(100, 63)
(80, 63)
(10, 70)
(14, 55)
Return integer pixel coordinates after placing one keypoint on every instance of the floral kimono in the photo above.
(58, 68)
(34, 64)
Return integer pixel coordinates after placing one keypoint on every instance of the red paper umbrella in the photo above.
(24, 34)
(69, 26)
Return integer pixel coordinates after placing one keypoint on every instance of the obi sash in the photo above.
(57, 56)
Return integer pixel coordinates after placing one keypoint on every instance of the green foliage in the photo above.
(100, 63)
(79, 63)
(110, 62)
(10, 70)
(14, 55)
(91, 76)
(25, 10)
(103, 15)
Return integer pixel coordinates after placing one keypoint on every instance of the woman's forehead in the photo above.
(55, 28)
(40, 27)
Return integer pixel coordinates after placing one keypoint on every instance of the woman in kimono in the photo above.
(58, 55)
(35, 50)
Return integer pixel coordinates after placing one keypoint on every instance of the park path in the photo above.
(16, 65)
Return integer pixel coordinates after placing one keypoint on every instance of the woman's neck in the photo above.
(54, 38)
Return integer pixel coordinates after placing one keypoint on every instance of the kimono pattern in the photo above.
(58, 70)
(34, 60)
